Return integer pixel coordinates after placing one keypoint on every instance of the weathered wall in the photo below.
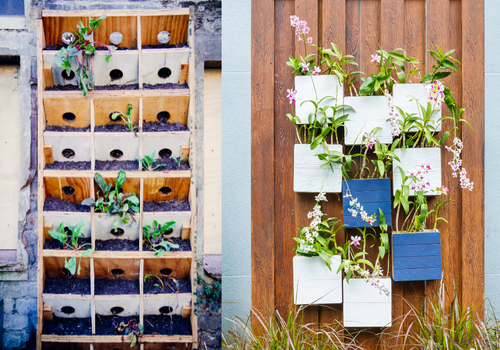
(20, 296)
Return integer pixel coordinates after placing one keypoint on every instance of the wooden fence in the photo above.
(359, 28)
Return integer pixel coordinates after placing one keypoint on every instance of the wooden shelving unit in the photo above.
(71, 108)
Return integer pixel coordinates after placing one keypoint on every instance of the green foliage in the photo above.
(71, 241)
(375, 84)
(444, 61)
(291, 332)
(146, 163)
(155, 237)
(114, 203)
(456, 116)
(132, 330)
(125, 117)
(81, 52)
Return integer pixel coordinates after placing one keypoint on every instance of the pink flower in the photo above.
(305, 67)
(316, 70)
(375, 58)
(310, 40)
(291, 95)
(355, 240)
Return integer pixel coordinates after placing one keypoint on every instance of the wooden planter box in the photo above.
(69, 108)
(364, 306)
(323, 85)
(370, 112)
(308, 176)
(409, 158)
(314, 283)
(372, 194)
(416, 256)
(404, 93)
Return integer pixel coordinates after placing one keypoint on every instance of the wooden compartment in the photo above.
(131, 185)
(64, 346)
(177, 25)
(171, 346)
(53, 268)
(182, 222)
(67, 147)
(125, 25)
(72, 189)
(173, 108)
(173, 144)
(56, 75)
(116, 146)
(170, 268)
(52, 220)
(105, 106)
(115, 346)
(104, 229)
(122, 68)
(123, 273)
(55, 26)
(165, 189)
(163, 66)
(67, 111)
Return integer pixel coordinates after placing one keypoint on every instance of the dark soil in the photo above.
(170, 164)
(166, 86)
(68, 326)
(170, 286)
(60, 285)
(113, 128)
(116, 165)
(68, 166)
(66, 128)
(104, 87)
(105, 286)
(184, 245)
(166, 46)
(55, 244)
(104, 324)
(117, 245)
(171, 205)
(160, 126)
(166, 324)
(58, 204)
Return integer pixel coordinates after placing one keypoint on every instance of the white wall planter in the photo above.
(370, 112)
(69, 146)
(314, 283)
(365, 306)
(325, 85)
(103, 225)
(308, 175)
(409, 158)
(155, 60)
(403, 93)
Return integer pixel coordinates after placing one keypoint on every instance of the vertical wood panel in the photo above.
(284, 139)
(262, 148)
(353, 34)
(414, 34)
(473, 156)
(370, 35)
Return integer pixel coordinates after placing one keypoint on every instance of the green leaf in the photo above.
(87, 252)
(70, 265)
(100, 182)
(120, 179)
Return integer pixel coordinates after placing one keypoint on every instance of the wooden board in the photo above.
(176, 106)
(56, 109)
(68, 219)
(163, 66)
(106, 146)
(180, 267)
(61, 187)
(125, 25)
(54, 266)
(164, 142)
(125, 63)
(63, 143)
(54, 27)
(131, 185)
(179, 188)
(177, 26)
(104, 268)
(104, 107)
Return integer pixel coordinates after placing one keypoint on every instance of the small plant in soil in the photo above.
(125, 117)
(155, 237)
(178, 160)
(146, 163)
(133, 330)
(211, 294)
(121, 205)
(71, 240)
(81, 49)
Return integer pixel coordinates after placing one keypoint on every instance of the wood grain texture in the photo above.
(104, 107)
(126, 25)
(176, 25)
(473, 156)
(56, 108)
(179, 189)
(54, 188)
(106, 268)
(54, 27)
(177, 107)
(263, 217)
(180, 268)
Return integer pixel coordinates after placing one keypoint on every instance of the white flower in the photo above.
(355, 240)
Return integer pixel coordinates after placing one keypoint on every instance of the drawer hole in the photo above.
(118, 232)
(68, 309)
(165, 190)
(69, 117)
(68, 190)
(116, 74)
(164, 72)
(117, 272)
(116, 310)
(164, 310)
(165, 153)
(163, 116)
(68, 153)
(65, 75)
(116, 154)
(166, 272)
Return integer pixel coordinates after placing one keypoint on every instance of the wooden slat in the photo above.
(179, 187)
(55, 108)
(184, 73)
(97, 13)
(54, 188)
(126, 25)
(103, 107)
(473, 155)
(55, 26)
(47, 75)
(118, 93)
(263, 252)
(47, 151)
(175, 25)
(176, 106)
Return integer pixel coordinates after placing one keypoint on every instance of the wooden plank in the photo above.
(184, 73)
(263, 249)
(171, 268)
(473, 155)
(166, 189)
(112, 173)
(110, 268)
(47, 151)
(50, 338)
(353, 33)
(119, 255)
(152, 25)
(104, 107)
(414, 33)
(118, 93)
(47, 75)
(47, 312)
(97, 13)
(72, 189)
(186, 232)
(126, 25)
(55, 26)
(176, 107)
(74, 112)
(139, 48)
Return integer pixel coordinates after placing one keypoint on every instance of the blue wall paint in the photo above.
(492, 156)
(236, 159)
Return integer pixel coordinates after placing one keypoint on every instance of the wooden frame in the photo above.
(91, 112)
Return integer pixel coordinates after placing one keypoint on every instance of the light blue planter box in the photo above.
(372, 194)
(416, 256)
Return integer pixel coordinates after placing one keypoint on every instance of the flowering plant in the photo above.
(315, 239)
(354, 261)
(310, 65)
(375, 84)
(416, 208)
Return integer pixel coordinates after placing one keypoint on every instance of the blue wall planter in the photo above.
(372, 194)
(416, 256)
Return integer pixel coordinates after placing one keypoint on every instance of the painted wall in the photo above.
(492, 156)
(236, 158)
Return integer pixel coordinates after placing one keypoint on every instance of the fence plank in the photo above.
(262, 148)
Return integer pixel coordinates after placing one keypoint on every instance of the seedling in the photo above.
(126, 117)
(81, 51)
(146, 163)
(133, 330)
(154, 237)
(162, 285)
(121, 205)
(72, 241)
(178, 160)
